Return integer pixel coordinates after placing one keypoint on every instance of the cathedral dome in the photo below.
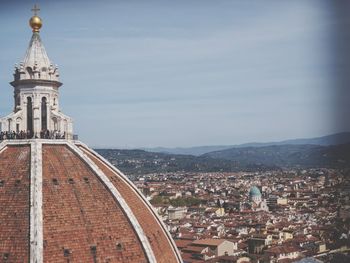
(62, 202)
(254, 191)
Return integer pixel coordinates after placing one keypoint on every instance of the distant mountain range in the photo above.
(333, 139)
(333, 152)
(134, 162)
(299, 155)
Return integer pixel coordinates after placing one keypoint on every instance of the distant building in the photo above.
(282, 201)
(215, 210)
(285, 235)
(255, 195)
(283, 253)
(272, 202)
(176, 213)
(257, 243)
(213, 247)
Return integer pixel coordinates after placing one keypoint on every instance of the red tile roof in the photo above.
(82, 219)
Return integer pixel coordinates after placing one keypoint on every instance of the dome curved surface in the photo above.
(14, 197)
(254, 191)
(65, 202)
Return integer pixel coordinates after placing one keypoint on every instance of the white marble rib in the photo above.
(137, 191)
(136, 225)
(36, 201)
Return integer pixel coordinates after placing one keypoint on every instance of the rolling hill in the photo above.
(333, 139)
(287, 155)
(234, 159)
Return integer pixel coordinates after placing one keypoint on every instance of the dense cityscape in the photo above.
(285, 215)
(258, 217)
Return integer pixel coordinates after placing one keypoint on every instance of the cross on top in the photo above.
(35, 9)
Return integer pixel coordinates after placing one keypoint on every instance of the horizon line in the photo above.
(213, 145)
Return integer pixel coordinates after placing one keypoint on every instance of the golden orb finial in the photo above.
(35, 21)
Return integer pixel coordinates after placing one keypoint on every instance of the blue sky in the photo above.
(188, 73)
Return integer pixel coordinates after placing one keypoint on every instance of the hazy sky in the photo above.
(191, 72)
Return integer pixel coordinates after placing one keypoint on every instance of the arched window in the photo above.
(55, 123)
(9, 124)
(30, 72)
(65, 129)
(18, 100)
(29, 116)
(18, 124)
(43, 114)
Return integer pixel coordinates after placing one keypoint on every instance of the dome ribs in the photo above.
(120, 200)
(14, 195)
(157, 236)
(77, 208)
(82, 221)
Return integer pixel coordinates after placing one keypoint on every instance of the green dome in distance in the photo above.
(254, 191)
